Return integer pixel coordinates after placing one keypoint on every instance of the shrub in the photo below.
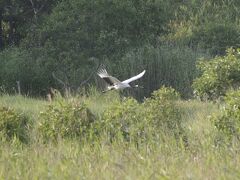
(165, 94)
(147, 121)
(228, 122)
(162, 111)
(13, 124)
(218, 75)
(65, 119)
(123, 120)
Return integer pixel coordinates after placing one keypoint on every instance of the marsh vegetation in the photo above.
(184, 123)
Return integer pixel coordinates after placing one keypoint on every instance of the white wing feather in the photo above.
(108, 78)
(103, 73)
(134, 77)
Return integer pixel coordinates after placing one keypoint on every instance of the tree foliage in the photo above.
(70, 38)
(208, 24)
(17, 18)
(218, 75)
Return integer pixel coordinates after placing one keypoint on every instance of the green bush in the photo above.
(137, 122)
(163, 112)
(228, 122)
(13, 124)
(65, 119)
(218, 75)
(165, 94)
(124, 120)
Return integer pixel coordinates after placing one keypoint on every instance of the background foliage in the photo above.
(70, 38)
(218, 75)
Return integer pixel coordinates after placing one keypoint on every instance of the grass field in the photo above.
(166, 159)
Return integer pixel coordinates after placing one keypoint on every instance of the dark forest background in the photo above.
(60, 43)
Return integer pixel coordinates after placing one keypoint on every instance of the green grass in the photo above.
(28, 105)
(72, 160)
(166, 159)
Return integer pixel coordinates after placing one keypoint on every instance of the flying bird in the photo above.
(114, 83)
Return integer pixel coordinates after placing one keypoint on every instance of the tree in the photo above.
(1, 31)
(208, 24)
(77, 32)
(218, 75)
(19, 17)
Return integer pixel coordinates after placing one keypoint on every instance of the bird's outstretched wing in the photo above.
(134, 77)
(102, 73)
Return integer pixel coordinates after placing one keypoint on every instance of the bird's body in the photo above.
(119, 86)
(114, 83)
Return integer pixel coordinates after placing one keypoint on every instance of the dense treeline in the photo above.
(17, 18)
(68, 39)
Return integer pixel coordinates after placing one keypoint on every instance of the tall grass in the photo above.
(28, 105)
(71, 160)
(170, 65)
(164, 159)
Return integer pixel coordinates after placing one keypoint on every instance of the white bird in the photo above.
(114, 83)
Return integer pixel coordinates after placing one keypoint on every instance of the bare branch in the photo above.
(40, 8)
(36, 10)
(59, 80)
(90, 76)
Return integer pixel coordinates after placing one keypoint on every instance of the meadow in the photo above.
(165, 158)
(147, 133)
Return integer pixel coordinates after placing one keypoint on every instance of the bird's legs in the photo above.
(137, 86)
(108, 89)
